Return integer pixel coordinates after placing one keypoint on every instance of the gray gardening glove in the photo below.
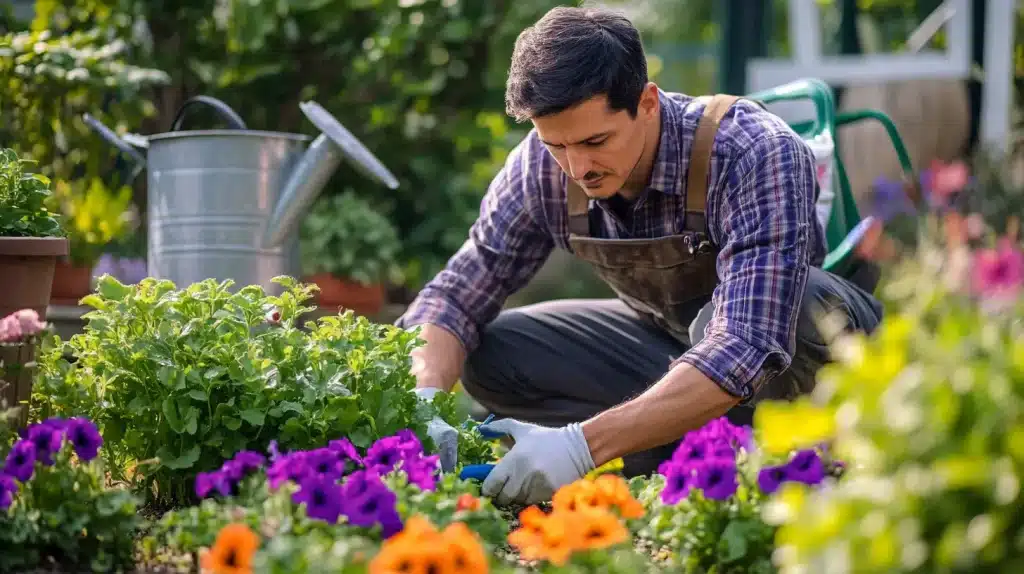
(444, 436)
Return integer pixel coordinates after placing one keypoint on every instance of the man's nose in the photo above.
(579, 163)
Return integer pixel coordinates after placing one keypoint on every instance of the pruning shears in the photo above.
(480, 471)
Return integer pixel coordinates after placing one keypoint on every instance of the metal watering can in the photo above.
(227, 203)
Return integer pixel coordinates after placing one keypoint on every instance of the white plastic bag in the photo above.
(824, 149)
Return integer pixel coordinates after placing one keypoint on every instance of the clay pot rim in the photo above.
(34, 246)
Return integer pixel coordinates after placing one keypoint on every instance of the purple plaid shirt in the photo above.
(761, 214)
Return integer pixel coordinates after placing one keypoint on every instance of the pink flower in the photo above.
(19, 325)
(943, 180)
(999, 272)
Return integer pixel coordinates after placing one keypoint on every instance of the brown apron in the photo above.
(669, 279)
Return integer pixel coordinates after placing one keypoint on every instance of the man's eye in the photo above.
(595, 143)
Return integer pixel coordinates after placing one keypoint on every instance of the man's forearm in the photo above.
(683, 400)
(437, 363)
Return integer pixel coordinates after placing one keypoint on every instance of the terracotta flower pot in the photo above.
(70, 283)
(26, 266)
(338, 292)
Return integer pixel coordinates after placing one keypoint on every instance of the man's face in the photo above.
(600, 148)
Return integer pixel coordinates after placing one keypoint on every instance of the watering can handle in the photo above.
(223, 110)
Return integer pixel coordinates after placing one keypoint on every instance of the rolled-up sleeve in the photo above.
(764, 218)
(505, 248)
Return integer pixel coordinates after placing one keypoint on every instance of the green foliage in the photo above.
(50, 80)
(704, 535)
(65, 515)
(343, 235)
(441, 506)
(180, 380)
(23, 196)
(929, 413)
(421, 84)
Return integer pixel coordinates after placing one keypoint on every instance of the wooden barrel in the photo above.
(932, 116)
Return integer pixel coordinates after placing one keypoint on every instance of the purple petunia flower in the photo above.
(422, 471)
(288, 467)
(678, 482)
(84, 437)
(345, 450)
(409, 443)
(717, 478)
(242, 463)
(21, 461)
(325, 462)
(8, 488)
(806, 467)
(322, 497)
(890, 199)
(47, 438)
(385, 454)
(208, 482)
(368, 501)
(770, 478)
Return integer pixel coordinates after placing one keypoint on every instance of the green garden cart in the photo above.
(844, 227)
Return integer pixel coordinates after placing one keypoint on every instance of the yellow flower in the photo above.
(784, 427)
(613, 465)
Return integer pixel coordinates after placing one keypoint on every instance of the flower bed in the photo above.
(201, 429)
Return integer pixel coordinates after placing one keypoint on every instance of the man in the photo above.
(700, 214)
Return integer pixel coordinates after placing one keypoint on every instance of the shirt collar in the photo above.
(667, 171)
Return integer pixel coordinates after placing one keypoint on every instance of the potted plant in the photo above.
(95, 217)
(31, 237)
(349, 251)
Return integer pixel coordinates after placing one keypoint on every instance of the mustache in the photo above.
(592, 176)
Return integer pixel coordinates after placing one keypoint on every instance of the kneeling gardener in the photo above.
(699, 213)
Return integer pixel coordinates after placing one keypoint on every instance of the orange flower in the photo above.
(232, 552)
(420, 549)
(467, 502)
(556, 536)
(601, 529)
(604, 492)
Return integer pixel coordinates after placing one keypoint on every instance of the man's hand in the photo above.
(541, 461)
(444, 436)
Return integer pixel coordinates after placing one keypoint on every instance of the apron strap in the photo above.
(700, 159)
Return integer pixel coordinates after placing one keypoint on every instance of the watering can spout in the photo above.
(309, 176)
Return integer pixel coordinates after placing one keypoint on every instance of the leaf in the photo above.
(254, 417)
(732, 546)
(231, 423)
(110, 288)
(199, 395)
(182, 461)
(171, 415)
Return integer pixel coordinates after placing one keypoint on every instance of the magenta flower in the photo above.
(8, 488)
(345, 450)
(84, 437)
(384, 455)
(19, 325)
(288, 467)
(325, 462)
(717, 478)
(999, 273)
(21, 461)
(322, 497)
(209, 482)
(422, 471)
(679, 480)
(941, 181)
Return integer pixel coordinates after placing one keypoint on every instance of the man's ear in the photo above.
(650, 106)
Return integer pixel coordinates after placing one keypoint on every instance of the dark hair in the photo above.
(571, 55)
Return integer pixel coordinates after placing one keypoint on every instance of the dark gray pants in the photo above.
(564, 361)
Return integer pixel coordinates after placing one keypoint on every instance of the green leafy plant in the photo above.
(95, 218)
(345, 237)
(23, 198)
(55, 508)
(181, 379)
(927, 411)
